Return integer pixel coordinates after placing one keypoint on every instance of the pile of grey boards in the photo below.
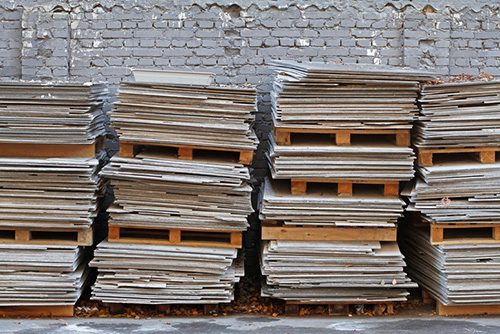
(48, 194)
(198, 115)
(156, 190)
(51, 113)
(454, 274)
(322, 207)
(351, 96)
(320, 159)
(38, 275)
(334, 272)
(457, 189)
(318, 98)
(449, 112)
(154, 274)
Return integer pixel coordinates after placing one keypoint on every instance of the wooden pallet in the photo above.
(293, 308)
(47, 236)
(344, 187)
(460, 310)
(186, 152)
(173, 236)
(343, 136)
(36, 311)
(28, 150)
(207, 309)
(464, 233)
(485, 155)
(272, 230)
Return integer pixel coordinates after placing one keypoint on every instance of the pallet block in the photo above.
(173, 236)
(185, 152)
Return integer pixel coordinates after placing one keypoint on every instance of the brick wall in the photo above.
(100, 40)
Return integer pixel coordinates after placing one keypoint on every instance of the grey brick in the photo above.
(254, 33)
(163, 43)
(114, 25)
(193, 61)
(177, 61)
(347, 23)
(147, 43)
(149, 62)
(178, 43)
(205, 24)
(193, 43)
(204, 52)
(334, 33)
(117, 34)
(304, 23)
(286, 41)
(271, 41)
(147, 52)
(117, 52)
(145, 24)
(285, 33)
(203, 33)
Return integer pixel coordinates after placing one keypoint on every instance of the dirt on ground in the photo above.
(247, 301)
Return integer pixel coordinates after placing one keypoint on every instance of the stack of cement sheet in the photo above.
(317, 95)
(450, 112)
(468, 273)
(152, 274)
(334, 272)
(323, 207)
(457, 192)
(155, 189)
(51, 113)
(322, 160)
(32, 275)
(50, 193)
(210, 116)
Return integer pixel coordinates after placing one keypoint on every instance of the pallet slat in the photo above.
(184, 152)
(465, 310)
(36, 311)
(342, 136)
(28, 150)
(173, 236)
(270, 232)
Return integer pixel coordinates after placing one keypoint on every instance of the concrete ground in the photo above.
(257, 324)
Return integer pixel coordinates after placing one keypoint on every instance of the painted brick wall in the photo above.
(100, 40)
